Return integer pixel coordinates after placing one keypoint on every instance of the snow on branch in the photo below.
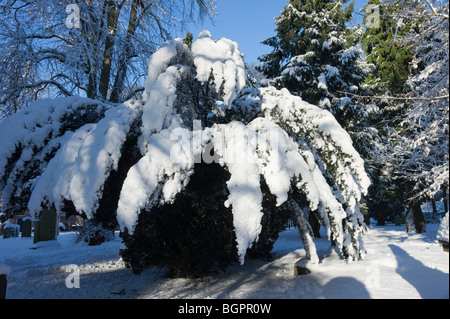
(406, 98)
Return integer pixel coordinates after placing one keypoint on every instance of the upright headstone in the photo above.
(45, 227)
(4, 272)
(3, 283)
(26, 227)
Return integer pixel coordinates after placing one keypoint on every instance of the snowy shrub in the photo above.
(32, 138)
(93, 234)
(264, 155)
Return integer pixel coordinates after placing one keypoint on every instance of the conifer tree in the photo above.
(315, 56)
(385, 47)
(410, 53)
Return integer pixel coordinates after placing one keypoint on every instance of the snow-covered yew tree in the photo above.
(201, 148)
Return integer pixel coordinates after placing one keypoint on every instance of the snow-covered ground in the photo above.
(398, 265)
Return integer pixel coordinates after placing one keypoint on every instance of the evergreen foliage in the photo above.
(193, 236)
(316, 56)
(386, 48)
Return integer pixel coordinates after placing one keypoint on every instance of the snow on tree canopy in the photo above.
(224, 60)
(32, 136)
(291, 144)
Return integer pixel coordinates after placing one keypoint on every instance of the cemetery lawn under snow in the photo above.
(397, 265)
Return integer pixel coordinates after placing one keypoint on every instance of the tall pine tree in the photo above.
(315, 56)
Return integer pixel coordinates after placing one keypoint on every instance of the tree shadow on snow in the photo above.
(344, 286)
(429, 283)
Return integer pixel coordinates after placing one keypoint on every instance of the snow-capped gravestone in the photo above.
(205, 169)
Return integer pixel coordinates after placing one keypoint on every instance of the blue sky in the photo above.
(248, 22)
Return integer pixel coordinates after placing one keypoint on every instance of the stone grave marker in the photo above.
(45, 228)
(27, 226)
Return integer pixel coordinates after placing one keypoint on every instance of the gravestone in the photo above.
(444, 245)
(45, 227)
(301, 270)
(3, 283)
(27, 226)
(4, 272)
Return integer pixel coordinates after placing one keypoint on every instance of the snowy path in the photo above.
(398, 265)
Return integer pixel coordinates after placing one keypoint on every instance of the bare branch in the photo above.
(396, 97)
(433, 10)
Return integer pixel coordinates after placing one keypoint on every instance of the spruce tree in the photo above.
(315, 56)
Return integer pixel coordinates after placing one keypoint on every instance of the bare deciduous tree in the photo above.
(93, 48)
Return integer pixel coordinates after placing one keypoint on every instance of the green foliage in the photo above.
(387, 51)
(315, 55)
(188, 39)
(93, 233)
(193, 236)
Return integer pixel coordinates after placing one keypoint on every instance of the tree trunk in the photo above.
(105, 73)
(92, 87)
(433, 204)
(89, 36)
(126, 56)
(415, 219)
(381, 217)
(444, 193)
(315, 224)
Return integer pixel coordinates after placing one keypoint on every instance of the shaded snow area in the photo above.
(398, 265)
